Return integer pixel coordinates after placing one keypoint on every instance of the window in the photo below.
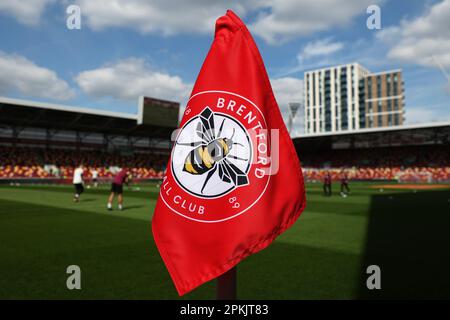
(314, 88)
(378, 86)
(388, 84)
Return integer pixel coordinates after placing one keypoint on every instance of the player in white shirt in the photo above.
(78, 182)
(95, 177)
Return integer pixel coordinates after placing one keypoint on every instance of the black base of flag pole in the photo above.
(227, 285)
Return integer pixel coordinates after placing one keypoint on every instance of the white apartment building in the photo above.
(334, 98)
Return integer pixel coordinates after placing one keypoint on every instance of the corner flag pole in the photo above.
(226, 287)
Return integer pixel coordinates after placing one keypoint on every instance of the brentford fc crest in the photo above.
(219, 167)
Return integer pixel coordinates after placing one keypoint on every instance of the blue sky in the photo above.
(126, 48)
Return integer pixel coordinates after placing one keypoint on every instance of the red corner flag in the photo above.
(233, 182)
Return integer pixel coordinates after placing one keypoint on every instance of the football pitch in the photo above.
(406, 232)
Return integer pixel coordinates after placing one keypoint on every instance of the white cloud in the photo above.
(315, 54)
(275, 21)
(321, 48)
(28, 12)
(128, 79)
(287, 90)
(158, 16)
(425, 114)
(289, 19)
(18, 74)
(422, 40)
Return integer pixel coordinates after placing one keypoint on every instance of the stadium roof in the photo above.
(23, 113)
(412, 134)
(380, 129)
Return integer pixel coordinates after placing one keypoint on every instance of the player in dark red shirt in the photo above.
(345, 190)
(117, 188)
(327, 184)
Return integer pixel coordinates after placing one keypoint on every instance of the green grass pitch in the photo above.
(323, 256)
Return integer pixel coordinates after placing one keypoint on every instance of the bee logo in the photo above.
(220, 163)
(214, 152)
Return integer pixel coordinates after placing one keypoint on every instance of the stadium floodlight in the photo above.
(293, 108)
(444, 72)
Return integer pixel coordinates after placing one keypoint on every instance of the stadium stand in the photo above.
(40, 141)
(45, 142)
(58, 163)
(414, 153)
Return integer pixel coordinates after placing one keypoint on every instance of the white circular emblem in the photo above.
(220, 160)
(212, 155)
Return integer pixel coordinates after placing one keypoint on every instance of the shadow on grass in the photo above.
(119, 260)
(408, 238)
(289, 271)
